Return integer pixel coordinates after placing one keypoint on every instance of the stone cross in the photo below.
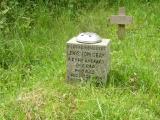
(121, 20)
(88, 58)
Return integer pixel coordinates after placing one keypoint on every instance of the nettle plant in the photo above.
(15, 17)
(15, 22)
(4, 9)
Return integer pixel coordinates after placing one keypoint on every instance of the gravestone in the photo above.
(88, 57)
(121, 20)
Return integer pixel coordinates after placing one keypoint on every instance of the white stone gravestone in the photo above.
(88, 57)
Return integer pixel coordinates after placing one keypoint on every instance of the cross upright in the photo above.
(121, 20)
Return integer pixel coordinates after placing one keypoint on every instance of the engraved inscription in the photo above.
(86, 61)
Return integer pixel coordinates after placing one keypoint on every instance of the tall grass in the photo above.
(33, 38)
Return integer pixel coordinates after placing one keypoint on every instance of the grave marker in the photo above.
(88, 56)
(121, 20)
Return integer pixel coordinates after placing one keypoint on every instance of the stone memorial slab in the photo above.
(88, 56)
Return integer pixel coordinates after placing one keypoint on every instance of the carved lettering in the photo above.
(86, 61)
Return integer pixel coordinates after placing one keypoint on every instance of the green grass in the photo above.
(33, 67)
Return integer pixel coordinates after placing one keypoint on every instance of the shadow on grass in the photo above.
(135, 79)
(115, 78)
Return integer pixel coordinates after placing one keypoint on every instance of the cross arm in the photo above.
(120, 19)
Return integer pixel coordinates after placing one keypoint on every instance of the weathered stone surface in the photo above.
(86, 61)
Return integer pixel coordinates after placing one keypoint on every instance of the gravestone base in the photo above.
(88, 61)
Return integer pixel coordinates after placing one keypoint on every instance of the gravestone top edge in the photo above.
(104, 42)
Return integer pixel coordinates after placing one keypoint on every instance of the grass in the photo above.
(33, 68)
